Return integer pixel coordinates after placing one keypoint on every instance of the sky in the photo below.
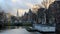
(22, 6)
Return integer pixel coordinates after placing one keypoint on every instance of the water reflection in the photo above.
(19, 30)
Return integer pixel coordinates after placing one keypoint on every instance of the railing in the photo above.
(44, 28)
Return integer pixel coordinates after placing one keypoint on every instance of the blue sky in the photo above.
(12, 5)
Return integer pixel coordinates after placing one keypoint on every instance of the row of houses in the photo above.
(7, 18)
(55, 11)
(4, 18)
(39, 17)
(43, 15)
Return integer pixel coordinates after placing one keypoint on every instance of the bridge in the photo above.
(44, 28)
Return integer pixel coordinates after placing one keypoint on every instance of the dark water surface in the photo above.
(19, 30)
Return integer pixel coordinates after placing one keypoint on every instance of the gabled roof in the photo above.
(57, 0)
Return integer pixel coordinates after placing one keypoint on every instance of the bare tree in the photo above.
(46, 3)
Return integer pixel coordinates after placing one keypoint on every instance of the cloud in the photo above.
(14, 0)
(35, 8)
(12, 5)
(22, 11)
(29, 5)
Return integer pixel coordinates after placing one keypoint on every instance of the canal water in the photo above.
(19, 30)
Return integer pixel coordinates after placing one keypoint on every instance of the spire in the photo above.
(17, 14)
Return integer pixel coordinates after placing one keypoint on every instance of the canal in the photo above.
(19, 30)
